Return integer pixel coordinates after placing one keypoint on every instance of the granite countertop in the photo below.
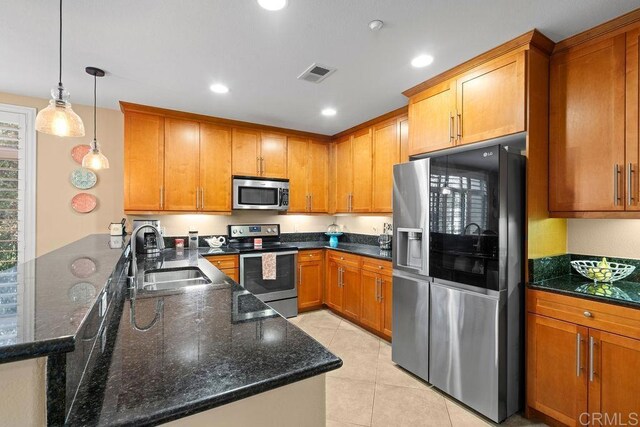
(353, 248)
(622, 292)
(180, 352)
(53, 295)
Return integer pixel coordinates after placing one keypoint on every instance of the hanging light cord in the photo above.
(60, 50)
(95, 122)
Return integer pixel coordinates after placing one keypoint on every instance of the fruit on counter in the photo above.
(601, 273)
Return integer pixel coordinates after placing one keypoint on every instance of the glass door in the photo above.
(464, 217)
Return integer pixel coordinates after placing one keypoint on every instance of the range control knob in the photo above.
(235, 231)
(269, 230)
(240, 231)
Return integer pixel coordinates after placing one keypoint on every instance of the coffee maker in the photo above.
(146, 240)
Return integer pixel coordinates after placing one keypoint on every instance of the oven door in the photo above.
(285, 284)
(260, 194)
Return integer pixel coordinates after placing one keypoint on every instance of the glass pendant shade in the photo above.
(59, 118)
(94, 159)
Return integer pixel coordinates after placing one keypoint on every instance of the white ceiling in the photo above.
(167, 53)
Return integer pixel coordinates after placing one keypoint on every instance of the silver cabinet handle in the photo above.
(262, 165)
(300, 275)
(310, 202)
(630, 197)
(578, 361)
(587, 314)
(450, 126)
(459, 133)
(381, 284)
(202, 198)
(591, 344)
(258, 165)
(161, 197)
(197, 198)
(616, 195)
(377, 281)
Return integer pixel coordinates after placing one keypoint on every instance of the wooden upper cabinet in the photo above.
(181, 164)
(386, 153)
(215, 168)
(615, 389)
(587, 127)
(318, 176)
(362, 163)
(245, 152)
(557, 378)
(143, 162)
(431, 115)
(491, 100)
(273, 155)
(344, 174)
(297, 160)
(403, 123)
(632, 137)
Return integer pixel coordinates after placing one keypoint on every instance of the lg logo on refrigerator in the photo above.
(487, 154)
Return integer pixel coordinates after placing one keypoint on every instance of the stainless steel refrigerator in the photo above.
(458, 275)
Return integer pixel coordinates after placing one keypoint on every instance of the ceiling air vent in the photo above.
(316, 73)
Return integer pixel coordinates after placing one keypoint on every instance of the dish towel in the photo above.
(269, 266)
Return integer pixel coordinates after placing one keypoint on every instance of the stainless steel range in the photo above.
(280, 293)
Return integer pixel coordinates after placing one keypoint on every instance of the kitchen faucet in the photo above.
(133, 266)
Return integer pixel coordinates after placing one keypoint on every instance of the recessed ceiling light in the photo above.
(376, 25)
(422, 61)
(219, 88)
(273, 4)
(329, 112)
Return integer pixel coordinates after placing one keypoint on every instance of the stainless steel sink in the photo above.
(173, 278)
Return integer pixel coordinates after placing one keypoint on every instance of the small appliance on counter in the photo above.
(193, 239)
(333, 231)
(117, 228)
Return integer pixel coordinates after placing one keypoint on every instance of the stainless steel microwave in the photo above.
(260, 193)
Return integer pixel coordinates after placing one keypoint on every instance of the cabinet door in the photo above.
(273, 156)
(491, 100)
(143, 161)
(181, 164)
(431, 115)
(333, 291)
(614, 390)
(587, 127)
(215, 168)
(245, 154)
(309, 284)
(557, 371)
(371, 313)
(632, 191)
(297, 159)
(351, 292)
(362, 164)
(318, 177)
(344, 174)
(387, 305)
(386, 153)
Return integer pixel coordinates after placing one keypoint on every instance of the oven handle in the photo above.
(278, 253)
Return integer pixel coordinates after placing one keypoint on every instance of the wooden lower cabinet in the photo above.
(228, 264)
(310, 279)
(233, 273)
(350, 292)
(578, 373)
(333, 286)
(376, 294)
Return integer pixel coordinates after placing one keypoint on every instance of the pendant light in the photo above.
(58, 118)
(94, 159)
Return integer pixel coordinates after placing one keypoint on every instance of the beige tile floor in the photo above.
(371, 390)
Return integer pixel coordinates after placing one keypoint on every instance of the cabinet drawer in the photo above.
(232, 272)
(377, 265)
(345, 258)
(224, 261)
(312, 255)
(593, 314)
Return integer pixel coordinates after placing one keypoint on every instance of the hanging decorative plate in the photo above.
(84, 202)
(83, 267)
(83, 179)
(79, 151)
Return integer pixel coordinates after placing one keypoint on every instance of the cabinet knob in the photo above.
(380, 267)
(341, 257)
(587, 314)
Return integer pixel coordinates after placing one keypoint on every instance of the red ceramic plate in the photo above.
(79, 151)
(84, 202)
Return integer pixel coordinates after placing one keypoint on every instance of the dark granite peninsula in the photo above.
(125, 357)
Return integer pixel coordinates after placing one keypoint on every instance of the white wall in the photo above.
(362, 224)
(606, 237)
